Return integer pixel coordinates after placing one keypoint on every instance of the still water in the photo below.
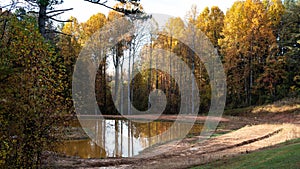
(124, 138)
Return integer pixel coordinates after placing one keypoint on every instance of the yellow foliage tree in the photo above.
(248, 41)
(32, 93)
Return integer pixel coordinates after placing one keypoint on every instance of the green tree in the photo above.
(272, 83)
(46, 12)
(289, 43)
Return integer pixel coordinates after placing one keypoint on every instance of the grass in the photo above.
(285, 155)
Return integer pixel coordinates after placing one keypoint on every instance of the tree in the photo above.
(272, 83)
(33, 107)
(275, 10)
(211, 23)
(93, 24)
(173, 28)
(191, 17)
(69, 48)
(289, 43)
(46, 12)
(248, 41)
(126, 7)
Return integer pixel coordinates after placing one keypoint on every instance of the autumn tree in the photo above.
(32, 93)
(93, 24)
(211, 23)
(274, 10)
(173, 29)
(248, 41)
(69, 48)
(272, 82)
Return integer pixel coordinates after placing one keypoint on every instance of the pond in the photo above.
(124, 138)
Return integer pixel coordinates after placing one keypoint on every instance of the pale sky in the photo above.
(83, 10)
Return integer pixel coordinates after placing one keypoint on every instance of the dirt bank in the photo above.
(187, 154)
(251, 130)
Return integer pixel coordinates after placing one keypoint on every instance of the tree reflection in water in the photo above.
(123, 138)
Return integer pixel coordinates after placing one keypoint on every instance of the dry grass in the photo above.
(285, 105)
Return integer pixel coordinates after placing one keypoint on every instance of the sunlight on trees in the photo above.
(258, 41)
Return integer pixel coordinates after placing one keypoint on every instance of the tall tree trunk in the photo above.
(128, 137)
(122, 90)
(104, 85)
(150, 73)
(132, 70)
(116, 138)
(116, 61)
(170, 80)
(42, 19)
(121, 136)
(128, 82)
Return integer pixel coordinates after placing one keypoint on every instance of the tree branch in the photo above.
(103, 4)
(10, 5)
(132, 13)
(31, 3)
(57, 20)
(55, 14)
(34, 12)
(59, 10)
(54, 31)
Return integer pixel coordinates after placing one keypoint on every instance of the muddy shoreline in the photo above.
(248, 133)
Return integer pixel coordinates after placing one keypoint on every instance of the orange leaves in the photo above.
(249, 38)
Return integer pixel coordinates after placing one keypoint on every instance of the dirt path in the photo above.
(185, 155)
(241, 141)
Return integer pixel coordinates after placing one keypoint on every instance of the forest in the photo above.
(257, 41)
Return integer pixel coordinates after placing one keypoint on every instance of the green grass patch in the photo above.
(285, 155)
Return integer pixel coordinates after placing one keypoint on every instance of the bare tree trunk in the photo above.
(157, 72)
(116, 138)
(132, 71)
(150, 73)
(116, 61)
(122, 91)
(128, 140)
(128, 82)
(104, 133)
(121, 136)
(42, 19)
(132, 149)
(104, 84)
(149, 132)
(170, 80)
(193, 84)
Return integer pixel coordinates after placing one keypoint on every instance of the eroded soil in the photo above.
(248, 133)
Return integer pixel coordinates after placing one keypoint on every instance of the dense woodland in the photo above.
(257, 41)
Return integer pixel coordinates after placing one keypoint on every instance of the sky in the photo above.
(177, 8)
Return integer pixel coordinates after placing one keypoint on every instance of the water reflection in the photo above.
(124, 138)
(82, 148)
